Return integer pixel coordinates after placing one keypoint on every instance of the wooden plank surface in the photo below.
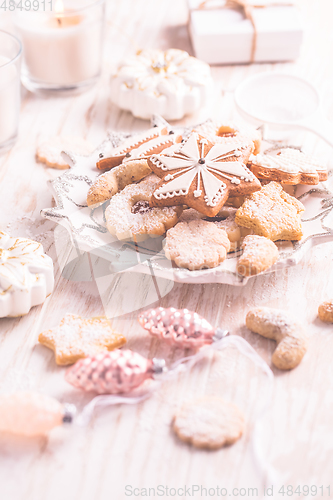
(134, 446)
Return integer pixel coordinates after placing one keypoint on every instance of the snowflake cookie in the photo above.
(202, 175)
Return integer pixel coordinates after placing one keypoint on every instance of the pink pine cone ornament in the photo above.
(115, 372)
(179, 326)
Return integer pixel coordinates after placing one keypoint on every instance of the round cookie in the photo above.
(230, 133)
(49, 151)
(196, 244)
(209, 422)
(130, 216)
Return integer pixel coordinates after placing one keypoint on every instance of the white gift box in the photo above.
(223, 35)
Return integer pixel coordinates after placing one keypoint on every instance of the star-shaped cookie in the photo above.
(78, 337)
(202, 175)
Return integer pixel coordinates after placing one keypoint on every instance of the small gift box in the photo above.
(243, 31)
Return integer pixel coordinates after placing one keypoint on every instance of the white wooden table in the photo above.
(134, 446)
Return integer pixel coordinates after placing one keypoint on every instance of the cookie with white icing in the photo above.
(202, 175)
(170, 83)
(26, 275)
(289, 166)
(209, 422)
(152, 141)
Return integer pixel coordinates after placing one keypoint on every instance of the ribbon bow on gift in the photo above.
(248, 8)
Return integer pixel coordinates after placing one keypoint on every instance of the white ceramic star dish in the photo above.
(26, 275)
(88, 231)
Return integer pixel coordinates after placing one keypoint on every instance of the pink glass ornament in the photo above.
(31, 414)
(115, 372)
(180, 326)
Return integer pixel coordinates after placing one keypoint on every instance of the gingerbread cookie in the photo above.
(273, 213)
(110, 183)
(153, 141)
(130, 216)
(78, 337)
(197, 244)
(49, 152)
(202, 175)
(259, 254)
(289, 166)
(230, 133)
(325, 311)
(235, 201)
(209, 422)
(291, 340)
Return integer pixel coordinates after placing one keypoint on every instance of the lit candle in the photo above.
(62, 49)
(10, 51)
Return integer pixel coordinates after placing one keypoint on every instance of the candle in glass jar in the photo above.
(62, 48)
(9, 99)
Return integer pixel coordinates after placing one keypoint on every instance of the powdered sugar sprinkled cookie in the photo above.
(130, 216)
(209, 422)
(230, 133)
(78, 337)
(49, 151)
(325, 311)
(234, 232)
(292, 342)
(272, 213)
(259, 254)
(110, 183)
(196, 244)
